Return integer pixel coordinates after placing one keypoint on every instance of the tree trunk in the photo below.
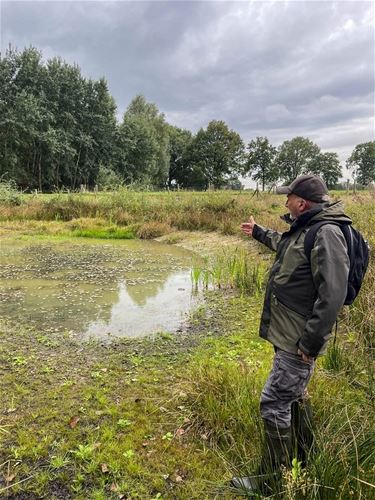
(40, 172)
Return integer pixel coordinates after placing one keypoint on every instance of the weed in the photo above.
(84, 452)
(59, 461)
(128, 454)
(167, 437)
(335, 359)
(123, 423)
(19, 361)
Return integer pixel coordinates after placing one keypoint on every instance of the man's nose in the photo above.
(286, 203)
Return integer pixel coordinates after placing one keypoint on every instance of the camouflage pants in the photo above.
(286, 384)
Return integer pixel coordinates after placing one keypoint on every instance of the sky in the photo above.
(270, 68)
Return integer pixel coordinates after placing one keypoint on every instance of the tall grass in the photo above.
(224, 398)
(225, 394)
(230, 269)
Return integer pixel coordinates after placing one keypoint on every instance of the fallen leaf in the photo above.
(9, 477)
(180, 432)
(74, 421)
(187, 421)
(114, 488)
(204, 437)
(178, 479)
(104, 468)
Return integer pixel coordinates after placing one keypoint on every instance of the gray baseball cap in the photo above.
(309, 187)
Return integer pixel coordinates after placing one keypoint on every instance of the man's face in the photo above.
(295, 205)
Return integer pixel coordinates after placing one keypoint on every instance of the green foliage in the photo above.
(57, 127)
(261, 161)
(296, 157)
(335, 359)
(362, 162)
(230, 270)
(108, 179)
(213, 156)
(179, 141)
(9, 194)
(328, 166)
(112, 233)
(144, 144)
(84, 452)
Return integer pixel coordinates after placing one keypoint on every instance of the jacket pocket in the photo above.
(290, 383)
(286, 326)
(292, 309)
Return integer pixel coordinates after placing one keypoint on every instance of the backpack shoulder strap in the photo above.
(311, 235)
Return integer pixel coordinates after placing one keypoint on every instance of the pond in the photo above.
(95, 289)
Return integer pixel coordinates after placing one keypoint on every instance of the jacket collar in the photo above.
(304, 219)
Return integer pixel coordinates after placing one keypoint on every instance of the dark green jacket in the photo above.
(303, 299)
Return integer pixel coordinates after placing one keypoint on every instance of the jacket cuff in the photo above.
(258, 232)
(306, 351)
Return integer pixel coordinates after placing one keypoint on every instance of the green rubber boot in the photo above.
(302, 429)
(276, 452)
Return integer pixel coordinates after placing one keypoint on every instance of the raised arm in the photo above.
(268, 237)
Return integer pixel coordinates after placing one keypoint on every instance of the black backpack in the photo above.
(358, 250)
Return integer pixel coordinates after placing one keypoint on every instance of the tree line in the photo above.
(59, 130)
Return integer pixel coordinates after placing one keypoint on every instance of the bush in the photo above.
(9, 194)
(108, 179)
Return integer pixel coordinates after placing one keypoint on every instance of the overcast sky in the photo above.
(279, 69)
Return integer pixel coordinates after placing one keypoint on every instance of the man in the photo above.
(302, 300)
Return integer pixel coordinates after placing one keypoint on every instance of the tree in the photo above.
(327, 165)
(145, 132)
(362, 161)
(56, 127)
(214, 155)
(296, 157)
(179, 141)
(260, 161)
(137, 150)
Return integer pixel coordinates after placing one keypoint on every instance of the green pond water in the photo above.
(95, 289)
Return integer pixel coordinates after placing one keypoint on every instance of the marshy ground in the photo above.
(175, 414)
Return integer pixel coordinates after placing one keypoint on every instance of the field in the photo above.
(176, 415)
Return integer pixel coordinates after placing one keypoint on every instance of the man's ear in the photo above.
(303, 205)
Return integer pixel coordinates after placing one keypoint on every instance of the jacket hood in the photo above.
(334, 212)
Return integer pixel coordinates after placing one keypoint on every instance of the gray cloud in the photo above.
(267, 68)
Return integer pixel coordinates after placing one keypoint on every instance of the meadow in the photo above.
(176, 415)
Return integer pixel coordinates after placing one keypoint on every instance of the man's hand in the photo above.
(247, 227)
(305, 357)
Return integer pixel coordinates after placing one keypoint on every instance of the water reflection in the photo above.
(138, 313)
(94, 289)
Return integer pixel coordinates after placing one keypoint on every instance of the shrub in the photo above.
(9, 194)
(153, 229)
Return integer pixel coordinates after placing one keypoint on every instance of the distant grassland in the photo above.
(126, 214)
